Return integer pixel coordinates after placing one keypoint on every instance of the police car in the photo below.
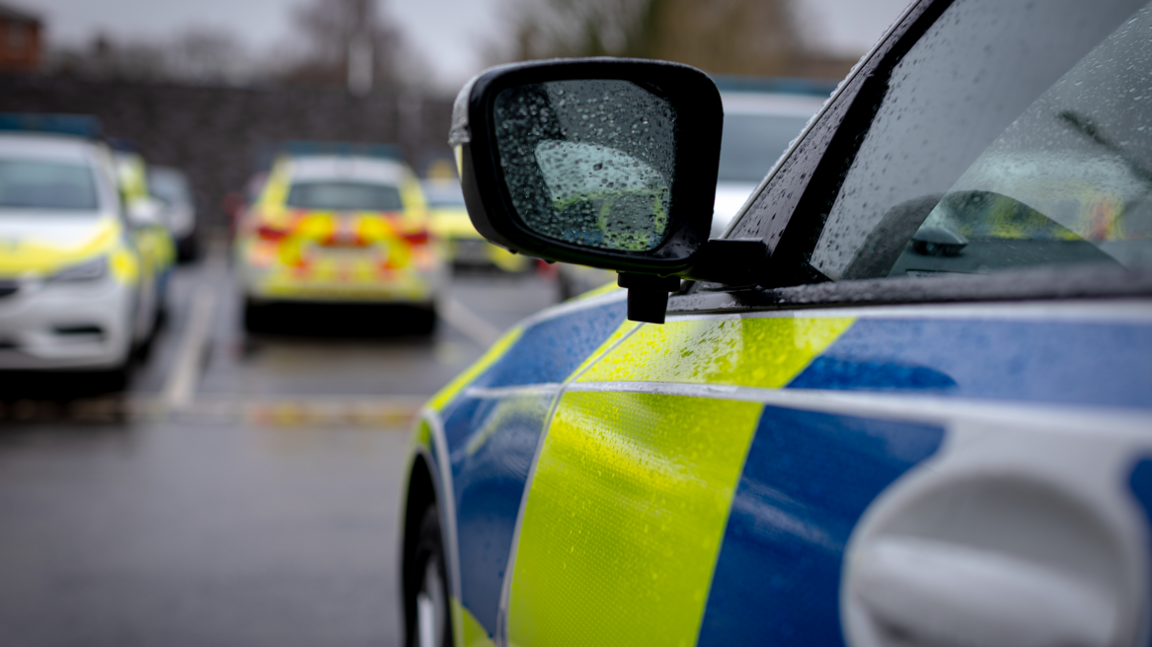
(466, 248)
(906, 399)
(339, 223)
(80, 269)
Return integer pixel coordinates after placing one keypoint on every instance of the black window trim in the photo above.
(789, 265)
(845, 91)
(1034, 284)
(797, 285)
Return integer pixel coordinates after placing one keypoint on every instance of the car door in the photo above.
(886, 446)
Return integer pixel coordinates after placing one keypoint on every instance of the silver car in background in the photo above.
(171, 187)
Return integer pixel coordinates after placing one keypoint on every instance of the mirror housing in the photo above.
(145, 212)
(656, 211)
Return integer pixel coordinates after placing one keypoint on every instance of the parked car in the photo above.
(339, 223)
(153, 236)
(79, 288)
(464, 246)
(906, 399)
(171, 187)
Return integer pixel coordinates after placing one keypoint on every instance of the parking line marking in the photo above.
(468, 322)
(182, 380)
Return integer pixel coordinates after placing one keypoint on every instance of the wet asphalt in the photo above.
(245, 490)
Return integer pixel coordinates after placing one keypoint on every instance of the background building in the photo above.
(21, 46)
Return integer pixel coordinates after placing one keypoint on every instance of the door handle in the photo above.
(935, 593)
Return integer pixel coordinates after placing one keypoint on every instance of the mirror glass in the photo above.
(588, 162)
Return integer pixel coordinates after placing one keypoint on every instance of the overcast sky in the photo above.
(447, 33)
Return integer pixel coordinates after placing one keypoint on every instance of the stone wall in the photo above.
(216, 134)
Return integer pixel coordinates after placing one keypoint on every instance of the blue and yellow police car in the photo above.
(905, 400)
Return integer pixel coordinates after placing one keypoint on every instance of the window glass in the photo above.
(39, 184)
(344, 196)
(1012, 134)
(444, 195)
(752, 143)
(170, 187)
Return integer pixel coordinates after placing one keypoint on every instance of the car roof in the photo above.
(348, 168)
(61, 147)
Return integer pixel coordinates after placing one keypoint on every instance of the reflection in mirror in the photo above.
(590, 182)
(588, 162)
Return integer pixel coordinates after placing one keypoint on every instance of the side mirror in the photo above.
(604, 162)
(145, 212)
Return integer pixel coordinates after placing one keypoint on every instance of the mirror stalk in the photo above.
(734, 263)
(647, 295)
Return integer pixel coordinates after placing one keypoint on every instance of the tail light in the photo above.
(270, 233)
(420, 237)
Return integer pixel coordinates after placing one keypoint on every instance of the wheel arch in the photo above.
(421, 493)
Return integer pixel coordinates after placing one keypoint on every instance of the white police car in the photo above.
(75, 293)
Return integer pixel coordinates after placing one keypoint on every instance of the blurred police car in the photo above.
(339, 223)
(465, 247)
(906, 400)
(171, 187)
(77, 289)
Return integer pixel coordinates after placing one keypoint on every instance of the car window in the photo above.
(48, 185)
(442, 195)
(751, 143)
(344, 196)
(1012, 134)
(170, 187)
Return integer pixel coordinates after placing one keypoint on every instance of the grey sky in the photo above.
(448, 33)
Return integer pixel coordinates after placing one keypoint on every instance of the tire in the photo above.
(424, 320)
(143, 348)
(113, 380)
(255, 317)
(188, 249)
(429, 620)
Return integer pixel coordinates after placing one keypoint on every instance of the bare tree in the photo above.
(347, 42)
(720, 36)
(207, 55)
(198, 55)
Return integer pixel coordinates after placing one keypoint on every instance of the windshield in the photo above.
(344, 196)
(444, 195)
(169, 186)
(1053, 168)
(752, 143)
(48, 185)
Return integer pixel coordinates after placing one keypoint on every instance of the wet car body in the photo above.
(928, 422)
(340, 229)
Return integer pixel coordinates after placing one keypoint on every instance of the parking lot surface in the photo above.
(244, 491)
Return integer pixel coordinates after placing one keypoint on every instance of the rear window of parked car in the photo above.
(344, 196)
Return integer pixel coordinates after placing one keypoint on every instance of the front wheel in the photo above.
(429, 625)
(424, 320)
(255, 317)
